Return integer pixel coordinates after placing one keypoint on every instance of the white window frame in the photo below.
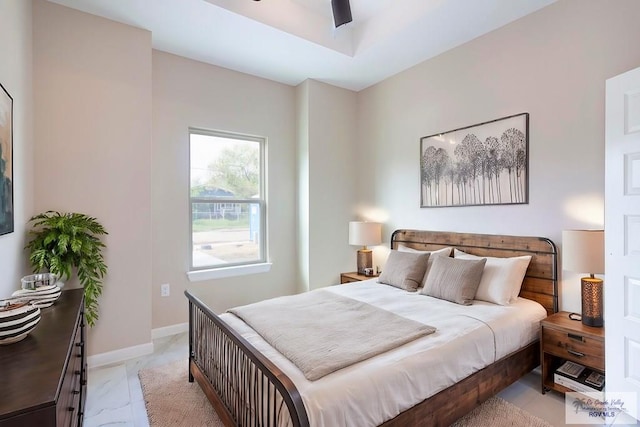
(241, 268)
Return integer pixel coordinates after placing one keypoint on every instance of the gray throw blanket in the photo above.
(321, 332)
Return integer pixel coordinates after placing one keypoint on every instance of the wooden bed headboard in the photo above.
(541, 280)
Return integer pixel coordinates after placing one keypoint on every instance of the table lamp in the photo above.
(583, 252)
(365, 234)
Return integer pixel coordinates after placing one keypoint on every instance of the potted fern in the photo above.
(62, 243)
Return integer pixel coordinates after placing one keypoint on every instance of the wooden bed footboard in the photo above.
(242, 385)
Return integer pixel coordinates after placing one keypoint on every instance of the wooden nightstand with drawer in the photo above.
(563, 339)
(354, 277)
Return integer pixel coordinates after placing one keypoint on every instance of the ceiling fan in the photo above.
(341, 12)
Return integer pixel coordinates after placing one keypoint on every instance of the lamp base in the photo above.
(365, 260)
(592, 302)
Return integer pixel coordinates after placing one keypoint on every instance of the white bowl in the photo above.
(16, 321)
(43, 296)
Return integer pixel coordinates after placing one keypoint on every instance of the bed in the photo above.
(249, 384)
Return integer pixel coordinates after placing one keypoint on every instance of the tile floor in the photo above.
(114, 395)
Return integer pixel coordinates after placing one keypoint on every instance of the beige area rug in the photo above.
(497, 412)
(173, 401)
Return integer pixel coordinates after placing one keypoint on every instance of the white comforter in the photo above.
(467, 339)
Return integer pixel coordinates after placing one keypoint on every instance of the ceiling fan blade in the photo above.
(341, 12)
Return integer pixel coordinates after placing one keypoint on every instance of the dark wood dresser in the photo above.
(43, 377)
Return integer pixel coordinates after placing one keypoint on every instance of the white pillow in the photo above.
(501, 279)
(440, 252)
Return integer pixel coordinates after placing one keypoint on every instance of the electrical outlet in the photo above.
(165, 290)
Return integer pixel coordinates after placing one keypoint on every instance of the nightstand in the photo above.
(564, 339)
(354, 277)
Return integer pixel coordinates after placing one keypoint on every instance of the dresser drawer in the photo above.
(69, 402)
(578, 348)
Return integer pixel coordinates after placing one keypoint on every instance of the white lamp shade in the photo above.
(583, 251)
(365, 233)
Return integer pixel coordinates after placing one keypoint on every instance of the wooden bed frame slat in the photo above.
(470, 240)
(245, 388)
(453, 402)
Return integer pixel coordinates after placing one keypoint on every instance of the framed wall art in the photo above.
(482, 164)
(6, 162)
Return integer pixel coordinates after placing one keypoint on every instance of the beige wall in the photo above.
(92, 83)
(326, 171)
(189, 93)
(551, 64)
(302, 184)
(15, 77)
(80, 112)
(333, 167)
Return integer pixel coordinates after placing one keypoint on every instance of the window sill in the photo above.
(220, 273)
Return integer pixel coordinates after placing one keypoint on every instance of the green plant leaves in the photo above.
(62, 242)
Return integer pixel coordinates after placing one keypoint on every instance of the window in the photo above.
(228, 204)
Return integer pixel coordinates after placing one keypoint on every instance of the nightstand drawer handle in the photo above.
(576, 353)
(576, 337)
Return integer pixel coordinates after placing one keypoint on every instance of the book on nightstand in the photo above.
(570, 369)
(578, 378)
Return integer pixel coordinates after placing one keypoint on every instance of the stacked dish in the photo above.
(37, 280)
(43, 296)
(17, 320)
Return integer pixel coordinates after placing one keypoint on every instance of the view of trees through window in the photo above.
(226, 199)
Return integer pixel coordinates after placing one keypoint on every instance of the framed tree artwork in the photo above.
(6, 162)
(482, 164)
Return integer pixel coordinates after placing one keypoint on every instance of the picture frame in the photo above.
(482, 164)
(6, 162)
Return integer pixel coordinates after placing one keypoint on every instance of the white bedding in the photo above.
(467, 339)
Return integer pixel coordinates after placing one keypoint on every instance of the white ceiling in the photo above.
(290, 41)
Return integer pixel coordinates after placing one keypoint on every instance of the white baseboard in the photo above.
(124, 354)
(119, 356)
(169, 330)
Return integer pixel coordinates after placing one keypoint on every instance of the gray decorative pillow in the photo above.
(439, 252)
(404, 270)
(454, 280)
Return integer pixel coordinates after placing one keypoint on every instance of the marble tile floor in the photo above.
(114, 396)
